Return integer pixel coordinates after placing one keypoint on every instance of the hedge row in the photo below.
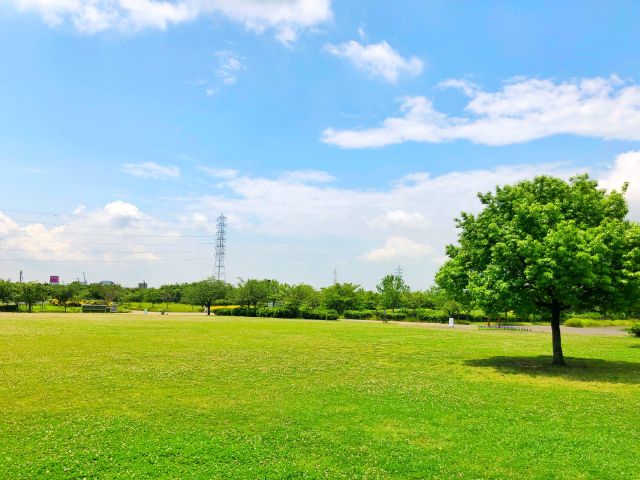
(278, 312)
(421, 314)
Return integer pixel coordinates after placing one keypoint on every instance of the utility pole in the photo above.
(399, 272)
(221, 246)
(335, 276)
(20, 276)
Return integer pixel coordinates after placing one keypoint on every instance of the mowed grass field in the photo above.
(124, 396)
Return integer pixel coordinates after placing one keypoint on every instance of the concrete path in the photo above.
(607, 331)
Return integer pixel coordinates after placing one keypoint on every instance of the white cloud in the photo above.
(219, 172)
(626, 168)
(521, 111)
(401, 219)
(304, 176)
(276, 223)
(122, 210)
(286, 18)
(398, 248)
(229, 65)
(151, 170)
(377, 59)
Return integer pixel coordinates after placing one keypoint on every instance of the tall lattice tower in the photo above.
(221, 246)
(399, 272)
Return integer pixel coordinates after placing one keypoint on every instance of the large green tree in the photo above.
(546, 245)
(253, 292)
(205, 292)
(300, 295)
(392, 289)
(30, 293)
(6, 291)
(342, 296)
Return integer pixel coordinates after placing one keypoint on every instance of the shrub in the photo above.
(391, 315)
(359, 314)
(428, 315)
(8, 308)
(277, 312)
(635, 330)
(319, 314)
(235, 311)
(574, 322)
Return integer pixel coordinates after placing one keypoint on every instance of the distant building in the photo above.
(107, 282)
(142, 285)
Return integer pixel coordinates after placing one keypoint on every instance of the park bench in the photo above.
(95, 308)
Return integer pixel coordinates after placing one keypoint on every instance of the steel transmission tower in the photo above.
(221, 245)
(399, 272)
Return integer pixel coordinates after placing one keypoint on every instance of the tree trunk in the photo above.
(208, 308)
(558, 358)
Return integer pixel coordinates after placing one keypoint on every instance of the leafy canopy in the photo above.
(392, 289)
(543, 242)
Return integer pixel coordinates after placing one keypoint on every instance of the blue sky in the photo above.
(333, 134)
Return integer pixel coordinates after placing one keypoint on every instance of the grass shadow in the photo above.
(578, 369)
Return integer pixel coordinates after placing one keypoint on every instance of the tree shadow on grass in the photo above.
(579, 369)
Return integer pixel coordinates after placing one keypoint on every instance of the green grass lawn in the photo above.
(126, 397)
(156, 307)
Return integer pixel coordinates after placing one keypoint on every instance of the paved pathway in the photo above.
(610, 331)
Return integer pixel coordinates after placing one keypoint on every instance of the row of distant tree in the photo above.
(391, 293)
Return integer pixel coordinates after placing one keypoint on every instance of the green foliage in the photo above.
(418, 299)
(109, 293)
(342, 296)
(392, 289)
(155, 296)
(205, 292)
(7, 290)
(253, 292)
(319, 313)
(300, 295)
(635, 330)
(359, 314)
(278, 312)
(30, 293)
(548, 244)
(235, 311)
(382, 315)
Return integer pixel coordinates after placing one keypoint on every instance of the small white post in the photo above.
(451, 322)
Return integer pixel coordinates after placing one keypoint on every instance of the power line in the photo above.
(130, 260)
(72, 216)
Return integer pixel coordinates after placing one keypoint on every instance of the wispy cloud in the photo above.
(377, 59)
(229, 66)
(521, 111)
(219, 172)
(308, 175)
(151, 170)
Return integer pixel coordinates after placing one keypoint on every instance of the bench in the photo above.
(95, 308)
